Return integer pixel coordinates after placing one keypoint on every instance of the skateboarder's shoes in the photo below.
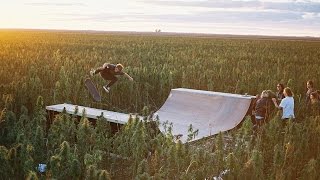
(107, 89)
(92, 72)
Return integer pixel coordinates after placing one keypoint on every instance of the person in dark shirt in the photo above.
(262, 108)
(310, 89)
(314, 104)
(279, 94)
(108, 72)
(318, 93)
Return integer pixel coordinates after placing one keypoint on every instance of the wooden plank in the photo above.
(93, 113)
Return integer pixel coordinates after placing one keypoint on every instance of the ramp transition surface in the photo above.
(209, 112)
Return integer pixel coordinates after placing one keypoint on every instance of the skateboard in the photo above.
(92, 89)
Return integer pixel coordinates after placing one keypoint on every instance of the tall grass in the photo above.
(53, 65)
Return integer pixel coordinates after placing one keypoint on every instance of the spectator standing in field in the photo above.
(318, 93)
(108, 72)
(262, 108)
(271, 95)
(310, 89)
(279, 94)
(314, 104)
(286, 104)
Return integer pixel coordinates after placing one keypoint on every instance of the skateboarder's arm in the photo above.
(127, 76)
(99, 69)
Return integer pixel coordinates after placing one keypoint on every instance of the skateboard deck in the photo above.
(92, 89)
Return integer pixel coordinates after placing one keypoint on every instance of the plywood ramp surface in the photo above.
(209, 112)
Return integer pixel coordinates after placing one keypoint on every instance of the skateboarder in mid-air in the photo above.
(109, 72)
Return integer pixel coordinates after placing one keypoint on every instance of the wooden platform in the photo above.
(92, 113)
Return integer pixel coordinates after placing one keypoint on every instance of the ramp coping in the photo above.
(212, 93)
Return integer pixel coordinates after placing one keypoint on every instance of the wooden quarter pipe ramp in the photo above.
(208, 112)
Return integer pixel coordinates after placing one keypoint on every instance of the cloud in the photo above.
(221, 17)
(195, 18)
(207, 15)
(309, 16)
(100, 17)
(55, 4)
(246, 11)
(229, 16)
(293, 6)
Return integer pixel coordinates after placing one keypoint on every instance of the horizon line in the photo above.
(170, 33)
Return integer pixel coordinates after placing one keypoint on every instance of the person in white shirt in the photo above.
(286, 104)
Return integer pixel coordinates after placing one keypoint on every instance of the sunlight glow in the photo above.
(227, 17)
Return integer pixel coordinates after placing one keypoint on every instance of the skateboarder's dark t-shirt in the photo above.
(262, 107)
(108, 71)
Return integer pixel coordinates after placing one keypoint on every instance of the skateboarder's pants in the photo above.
(110, 78)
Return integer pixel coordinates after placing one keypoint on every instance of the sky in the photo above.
(243, 17)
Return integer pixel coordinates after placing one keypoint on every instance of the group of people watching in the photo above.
(283, 100)
(312, 97)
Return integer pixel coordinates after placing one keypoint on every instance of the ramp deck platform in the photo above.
(92, 113)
